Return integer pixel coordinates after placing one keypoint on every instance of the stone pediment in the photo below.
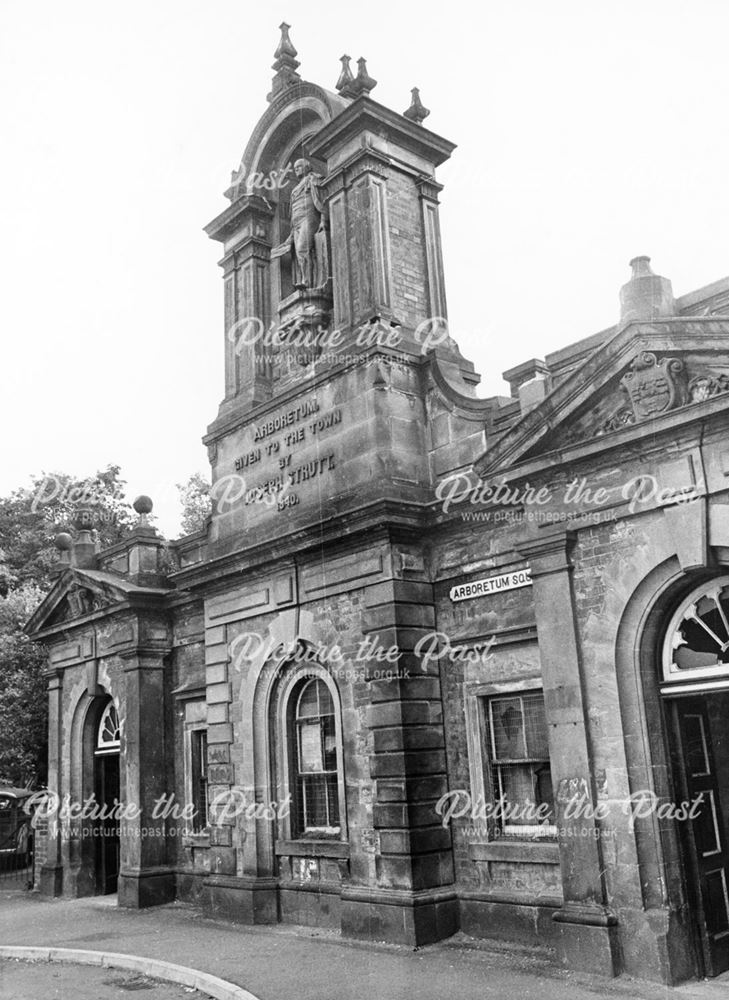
(643, 374)
(78, 593)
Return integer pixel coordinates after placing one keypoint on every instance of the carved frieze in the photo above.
(79, 601)
(652, 385)
(705, 386)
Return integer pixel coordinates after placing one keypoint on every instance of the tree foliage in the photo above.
(23, 698)
(196, 503)
(30, 517)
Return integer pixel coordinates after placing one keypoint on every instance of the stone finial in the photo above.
(84, 546)
(64, 543)
(417, 112)
(285, 62)
(647, 295)
(285, 54)
(345, 84)
(363, 82)
(143, 505)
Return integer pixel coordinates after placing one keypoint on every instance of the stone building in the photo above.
(436, 662)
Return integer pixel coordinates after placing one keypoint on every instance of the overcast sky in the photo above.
(587, 133)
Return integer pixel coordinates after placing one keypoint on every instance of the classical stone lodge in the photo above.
(436, 662)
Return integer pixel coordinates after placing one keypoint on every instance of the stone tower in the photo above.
(345, 399)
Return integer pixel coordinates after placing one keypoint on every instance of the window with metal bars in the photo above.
(520, 769)
(315, 764)
(199, 776)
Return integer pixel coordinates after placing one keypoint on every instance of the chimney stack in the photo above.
(647, 295)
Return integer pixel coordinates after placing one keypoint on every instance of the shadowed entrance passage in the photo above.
(106, 793)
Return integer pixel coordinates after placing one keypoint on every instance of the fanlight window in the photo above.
(696, 647)
(108, 740)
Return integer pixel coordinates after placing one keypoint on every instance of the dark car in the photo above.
(16, 832)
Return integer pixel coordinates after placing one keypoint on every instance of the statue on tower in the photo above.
(308, 241)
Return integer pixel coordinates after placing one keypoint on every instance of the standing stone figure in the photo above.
(307, 242)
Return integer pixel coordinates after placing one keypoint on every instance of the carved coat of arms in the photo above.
(654, 386)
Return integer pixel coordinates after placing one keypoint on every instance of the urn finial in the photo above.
(285, 54)
(345, 84)
(285, 63)
(417, 112)
(363, 82)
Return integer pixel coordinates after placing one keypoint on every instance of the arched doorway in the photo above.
(695, 689)
(106, 794)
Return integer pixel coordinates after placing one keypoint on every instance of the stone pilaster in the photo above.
(51, 873)
(144, 877)
(429, 190)
(220, 737)
(245, 230)
(587, 937)
(413, 901)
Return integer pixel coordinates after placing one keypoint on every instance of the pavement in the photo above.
(282, 962)
(32, 981)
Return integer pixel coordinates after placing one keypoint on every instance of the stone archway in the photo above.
(80, 838)
(662, 931)
(694, 684)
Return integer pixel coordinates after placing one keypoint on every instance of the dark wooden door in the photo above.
(107, 826)
(708, 860)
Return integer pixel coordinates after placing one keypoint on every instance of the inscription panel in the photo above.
(332, 445)
(296, 457)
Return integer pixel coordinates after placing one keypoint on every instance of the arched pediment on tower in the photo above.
(293, 116)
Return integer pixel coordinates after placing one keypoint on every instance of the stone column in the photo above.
(144, 877)
(587, 938)
(51, 873)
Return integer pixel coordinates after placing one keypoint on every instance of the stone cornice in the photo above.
(366, 114)
(394, 517)
(247, 208)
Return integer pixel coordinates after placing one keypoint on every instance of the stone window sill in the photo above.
(196, 839)
(536, 852)
(312, 848)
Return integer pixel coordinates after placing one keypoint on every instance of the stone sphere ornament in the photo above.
(143, 504)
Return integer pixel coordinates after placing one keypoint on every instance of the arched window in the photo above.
(309, 755)
(696, 646)
(316, 771)
(107, 734)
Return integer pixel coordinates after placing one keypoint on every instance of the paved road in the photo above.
(49, 981)
(282, 962)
